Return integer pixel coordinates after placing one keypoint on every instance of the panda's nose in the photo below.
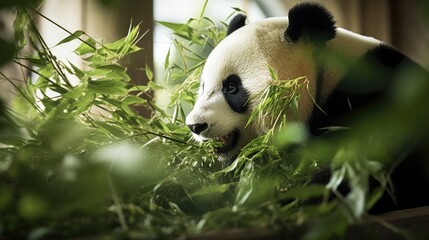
(198, 127)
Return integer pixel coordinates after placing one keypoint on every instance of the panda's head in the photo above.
(237, 73)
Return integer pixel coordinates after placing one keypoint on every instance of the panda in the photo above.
(236, 74)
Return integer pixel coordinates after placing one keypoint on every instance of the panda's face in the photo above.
(231, 80)
(235, 76)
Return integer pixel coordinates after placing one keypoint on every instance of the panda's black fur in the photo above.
(378, 68)
(311, 22)
(237, 22)
(363, 87)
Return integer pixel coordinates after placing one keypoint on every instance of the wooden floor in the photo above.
(412, 223)
(404, 224)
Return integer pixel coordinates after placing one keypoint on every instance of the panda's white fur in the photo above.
(249, 52)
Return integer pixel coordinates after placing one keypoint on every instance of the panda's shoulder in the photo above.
(388, 55)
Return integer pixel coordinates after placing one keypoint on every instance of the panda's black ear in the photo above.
(310, 21)
(237, 22)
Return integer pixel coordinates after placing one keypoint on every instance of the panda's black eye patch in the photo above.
(231, 88)
(232, 84)
(235, 94)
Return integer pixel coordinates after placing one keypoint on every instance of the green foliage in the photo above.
(8, 49)
(79, 162)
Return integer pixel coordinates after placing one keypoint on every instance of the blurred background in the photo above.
(400, 23)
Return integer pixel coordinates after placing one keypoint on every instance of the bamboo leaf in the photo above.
(85, 48)
(167, 60)
(15, 141)
(149, 72)
(211, 190)
(177, 28)
(307, 192)
(133, 100)
(106, 86)
(72, 37)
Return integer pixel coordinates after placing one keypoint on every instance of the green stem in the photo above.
(22, 94)
(61, 27)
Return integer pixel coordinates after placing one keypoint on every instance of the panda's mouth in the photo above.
(228, 142)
